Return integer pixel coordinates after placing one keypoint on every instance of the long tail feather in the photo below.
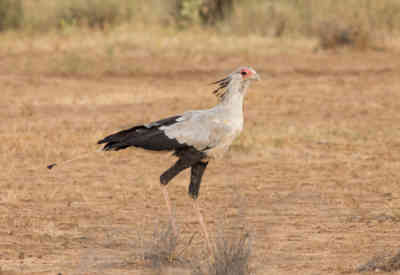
(62, 163)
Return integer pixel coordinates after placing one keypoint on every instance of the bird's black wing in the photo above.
(148, 136)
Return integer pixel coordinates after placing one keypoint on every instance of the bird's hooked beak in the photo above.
(256, 77)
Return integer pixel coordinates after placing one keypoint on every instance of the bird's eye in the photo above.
(243, 72)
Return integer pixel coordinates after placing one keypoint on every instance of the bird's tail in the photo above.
(123, 139)
(149, 137)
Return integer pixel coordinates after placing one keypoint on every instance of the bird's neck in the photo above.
(233, 97)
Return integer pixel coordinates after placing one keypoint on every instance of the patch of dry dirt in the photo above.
(314, 177)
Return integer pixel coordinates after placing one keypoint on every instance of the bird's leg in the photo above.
(197, 172)
(203, 225)
(164, 179)
(171, 215)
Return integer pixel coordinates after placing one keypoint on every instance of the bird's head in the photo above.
(243, 75)
(247, 73)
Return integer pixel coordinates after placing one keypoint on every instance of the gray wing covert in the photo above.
(200, 129)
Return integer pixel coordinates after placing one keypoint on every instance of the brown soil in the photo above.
(314, 177)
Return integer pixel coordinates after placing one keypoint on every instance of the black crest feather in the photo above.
(222, 84)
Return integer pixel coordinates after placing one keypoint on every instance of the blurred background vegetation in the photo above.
(356, 22)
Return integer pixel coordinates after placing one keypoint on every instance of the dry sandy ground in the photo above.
(314, 178)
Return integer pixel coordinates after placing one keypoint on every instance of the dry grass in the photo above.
(11, 14)
(302, 17)
(382, 264)
(64, 15)
(317, 165)
(231, 256)
(164, 248)
(374, 20)
(333, 35)
(122, 53)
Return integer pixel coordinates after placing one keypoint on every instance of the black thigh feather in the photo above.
(196, 174)
(189, 157)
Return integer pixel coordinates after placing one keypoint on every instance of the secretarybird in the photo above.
(194, 136)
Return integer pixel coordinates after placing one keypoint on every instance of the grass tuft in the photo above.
(231, 256)
(11, 14)
(92, 13)
(163, 250)
(333, 35)
(382, 264)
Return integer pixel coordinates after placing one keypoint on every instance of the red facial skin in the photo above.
(245, 73)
